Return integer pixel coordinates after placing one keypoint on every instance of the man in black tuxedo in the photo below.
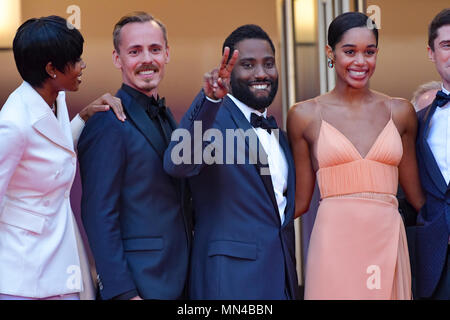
(136, 216)
(244, 244)
(433, 146)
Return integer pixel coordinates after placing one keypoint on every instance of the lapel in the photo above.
(425, 150)
(173, 123)
(63, 116)
(289, 211)
(44, 121)
(242, 123)
(182, 185)
(151, 133)
(142, 122)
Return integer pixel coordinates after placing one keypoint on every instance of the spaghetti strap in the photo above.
(390, 105)
(320, 108)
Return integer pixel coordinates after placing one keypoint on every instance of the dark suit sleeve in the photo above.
(407, 212)
(186, 139)
(102, 156)
(420, 119)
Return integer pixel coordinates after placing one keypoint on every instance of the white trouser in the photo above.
(70, 296)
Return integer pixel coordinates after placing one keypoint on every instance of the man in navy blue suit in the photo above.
(241, 175)
(433, 147)
(136, 217)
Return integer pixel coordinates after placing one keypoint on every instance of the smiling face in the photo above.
(441, 54)
(142, 57)
(355, 57)
(71, 78)
(254, 79)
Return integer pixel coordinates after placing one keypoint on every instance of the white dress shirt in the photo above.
(439, 138)
(276, 159)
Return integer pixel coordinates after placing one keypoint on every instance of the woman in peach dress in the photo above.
(358, 143)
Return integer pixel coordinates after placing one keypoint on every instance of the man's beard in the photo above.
(241, 91)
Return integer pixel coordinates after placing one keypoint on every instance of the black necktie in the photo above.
(262, 122)
(441, 98)
(157, 110)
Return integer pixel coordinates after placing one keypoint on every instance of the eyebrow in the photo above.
(352, 45)
(253, 58)
(135, 46)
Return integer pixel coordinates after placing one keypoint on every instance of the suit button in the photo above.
(99, 281)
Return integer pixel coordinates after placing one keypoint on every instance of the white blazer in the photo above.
(38, 248)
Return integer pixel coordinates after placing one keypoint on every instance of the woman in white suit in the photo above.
(39, 248)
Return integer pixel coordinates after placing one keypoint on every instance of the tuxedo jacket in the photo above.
(135, 215)
(38, 248)
(241, 250)
(433, 221)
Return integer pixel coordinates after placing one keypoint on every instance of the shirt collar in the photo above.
(445, 90)
(246, 110)
(142, 99)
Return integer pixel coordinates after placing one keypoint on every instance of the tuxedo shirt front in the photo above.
(276, 159)
(439, 138)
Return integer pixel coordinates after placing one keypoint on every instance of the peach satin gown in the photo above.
(358, 247)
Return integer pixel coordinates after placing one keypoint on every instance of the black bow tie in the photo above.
(441, 98)
(262, 122)
(157, 107)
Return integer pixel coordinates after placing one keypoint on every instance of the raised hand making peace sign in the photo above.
(216, 83)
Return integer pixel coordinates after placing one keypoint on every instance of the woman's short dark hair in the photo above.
(248, 31)
(40, 41)
(440, 20)
(347, 21)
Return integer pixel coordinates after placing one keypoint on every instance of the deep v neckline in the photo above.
(351, 143)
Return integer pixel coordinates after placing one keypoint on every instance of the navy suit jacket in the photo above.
(240, 248)
(433, 222)
(136, 217)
